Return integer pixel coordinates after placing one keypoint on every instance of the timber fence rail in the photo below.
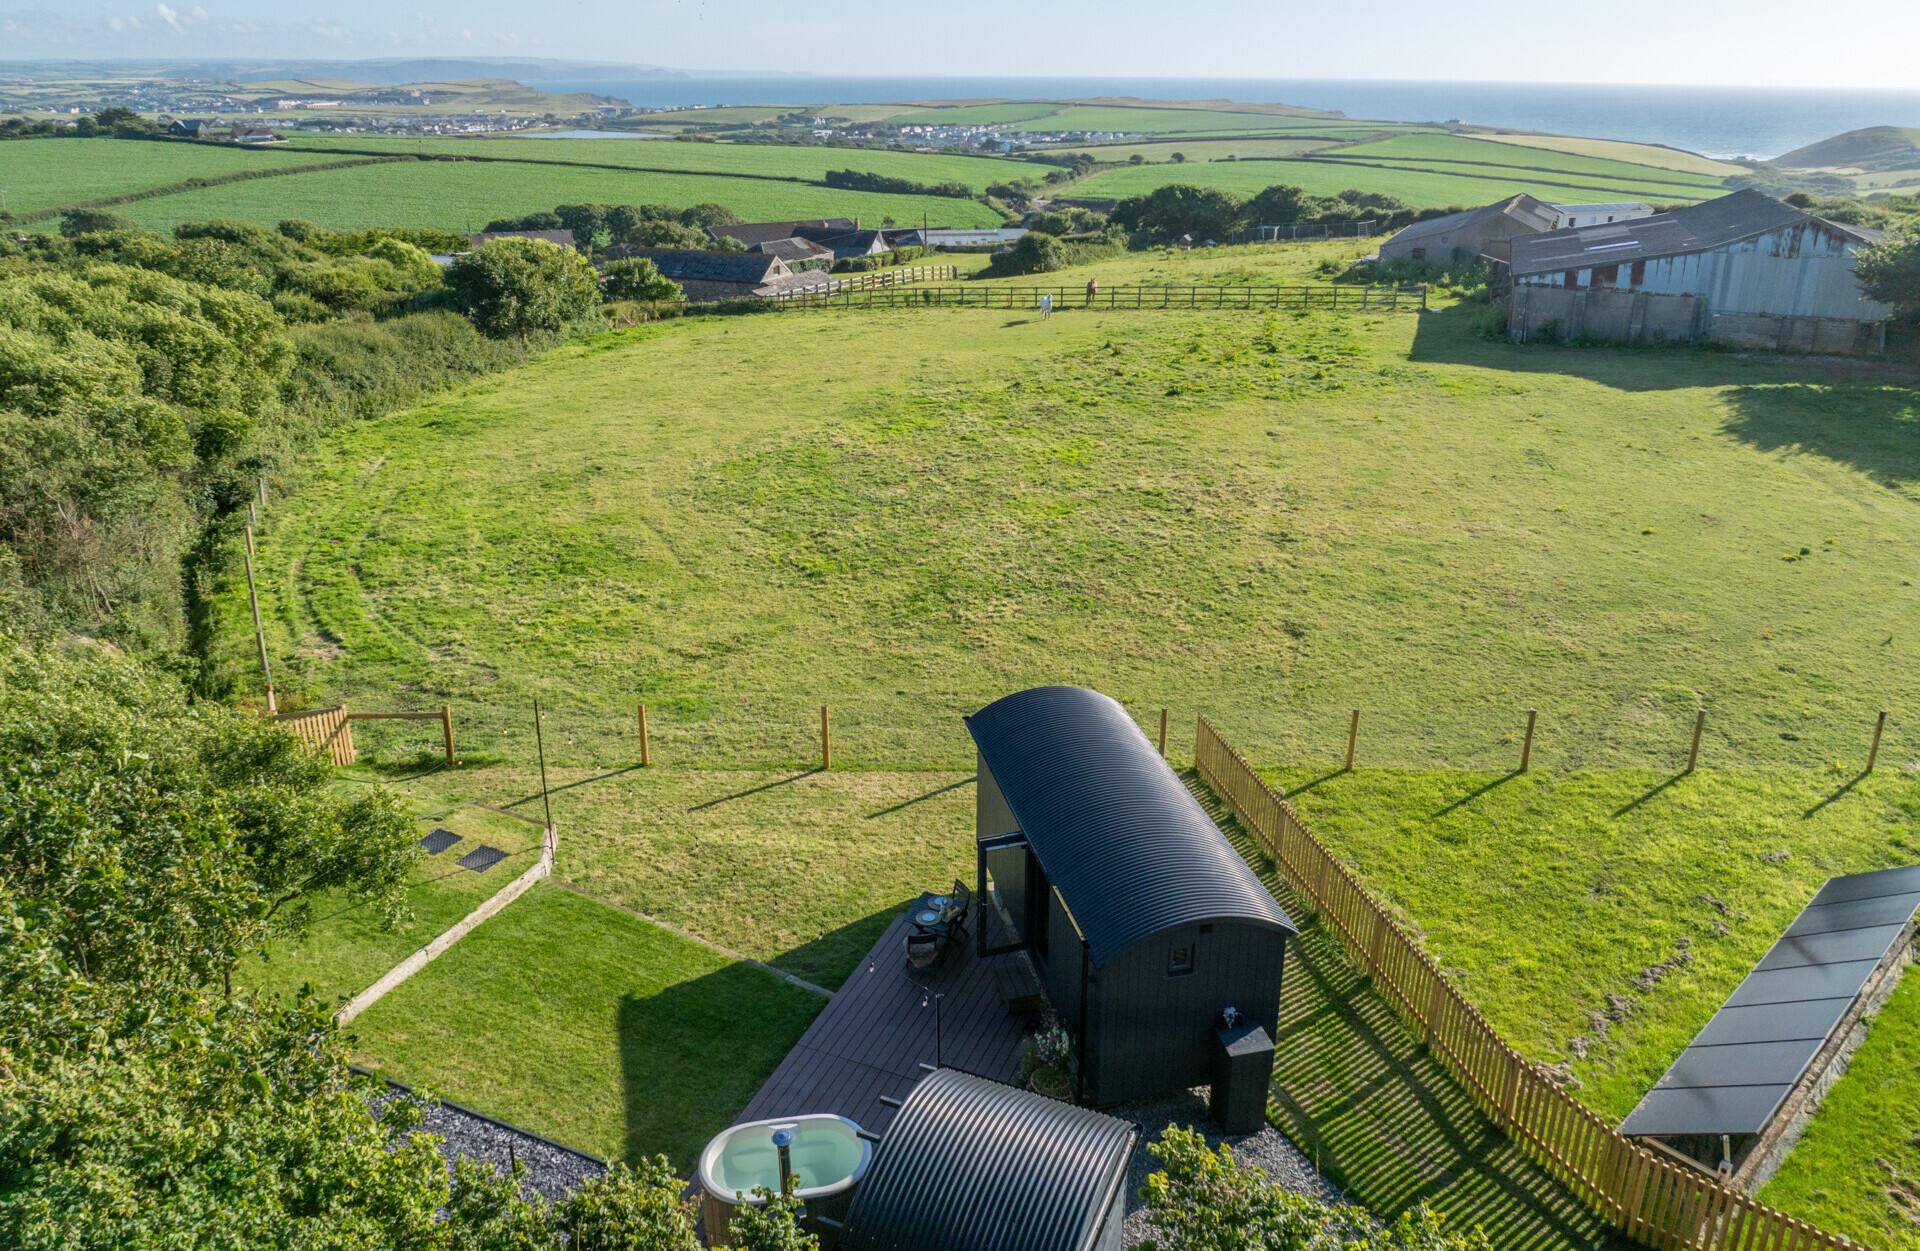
(331, 729)
(1652, 1200)
(1333, 296)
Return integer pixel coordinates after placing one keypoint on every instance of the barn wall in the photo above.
(1152, 1033)
(1553, 313)
(1463, 244)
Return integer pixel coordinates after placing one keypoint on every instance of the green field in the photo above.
(462, 195)
(1148, 119)
(1472, 155)
(1621, 150)
(40, 174)
(1421, 186)
(765, 160)
(1219, 149)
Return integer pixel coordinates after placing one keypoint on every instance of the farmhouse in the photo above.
(1572, 215)
(1465, 237)
(559, 238)
(797, 253)
(190, 127)
(847, 243)
(752, 234)
(1744, 270)
(251, 134)
(1156, 943)
(727, 275)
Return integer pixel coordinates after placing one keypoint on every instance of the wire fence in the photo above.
(1334, 297)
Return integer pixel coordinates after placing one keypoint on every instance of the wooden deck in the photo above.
(872, 1037)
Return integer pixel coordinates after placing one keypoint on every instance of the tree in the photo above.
(638, 278)
(1136, 159)
(1281, 205)
(1035, 253)
(1202, 1199)
(1178, 158)
(584, 220)
(1178, 209)
(709, 215)
(519, 287)
(77, 222)
(1889, 271)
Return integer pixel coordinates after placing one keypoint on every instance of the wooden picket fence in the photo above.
(1333, 296)
(1651, 1199)
(327, 728)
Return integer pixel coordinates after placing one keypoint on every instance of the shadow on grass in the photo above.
(1304, 787)
(576, 784)
(692, 1055)
(1870, 424)
(1474, 794)
(1844, 789)
(1375, 1112)
(908, 803)
(753, 790)
(1652, 792)
(832, 958)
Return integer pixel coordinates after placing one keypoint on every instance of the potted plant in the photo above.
(1046, 1059)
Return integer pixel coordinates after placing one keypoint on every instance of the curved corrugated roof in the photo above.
(973, 1165)
(1132, 853)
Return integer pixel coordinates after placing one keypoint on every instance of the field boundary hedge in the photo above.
(195, 184)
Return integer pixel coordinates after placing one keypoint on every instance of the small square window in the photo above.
(1180, 960)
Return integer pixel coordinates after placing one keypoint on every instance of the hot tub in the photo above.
(828, 1158)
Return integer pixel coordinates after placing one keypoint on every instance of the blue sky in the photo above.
(1867, 43)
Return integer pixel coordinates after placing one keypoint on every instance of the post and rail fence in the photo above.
(1652, 1200)
(1383, 298)
(331, 729)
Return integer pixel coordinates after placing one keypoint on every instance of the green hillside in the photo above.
(1875, 148)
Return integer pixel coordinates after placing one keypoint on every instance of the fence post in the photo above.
(1353, 737)
(1423, 297)
(1873, 753)
(259, 632)
(1163, 734)
(645, 759)
(446, 728)
(826, 740)
(1526, 747)
(1693, 752)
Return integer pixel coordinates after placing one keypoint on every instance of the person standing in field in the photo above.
(1093, 289)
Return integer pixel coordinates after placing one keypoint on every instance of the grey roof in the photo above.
(1732, 1077)
(563, 238)
(702, 266)
(751, 233)
(1132, 853)
(1525, 211)
(791, 250)
(845, 242)
(1695, 228)
(972, 1165)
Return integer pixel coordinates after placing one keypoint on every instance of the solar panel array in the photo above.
(1734, 1075)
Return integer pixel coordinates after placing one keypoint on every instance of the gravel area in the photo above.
(1267, 1150)
(553, 1171)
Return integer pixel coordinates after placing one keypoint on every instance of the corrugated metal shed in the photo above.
(972, 1165)
(1129, 849)
(1734, 1075)
(1696, 228)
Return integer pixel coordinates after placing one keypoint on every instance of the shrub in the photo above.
(519, 287)
(638, 278)
(1178, 209)
(1035, 253)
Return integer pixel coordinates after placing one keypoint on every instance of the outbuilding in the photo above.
(970, 1164)
(1464, 238)
(1150, 934)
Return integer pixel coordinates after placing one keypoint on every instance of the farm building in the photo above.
(1572, 215)
(751, 234)
(1465, 237)
(1156, 943)
(963, 239)
(191, 128)
(847, 243)
(250, 134)
(725, 275)
(1744, 270)
(796, 253)
(971, 1165)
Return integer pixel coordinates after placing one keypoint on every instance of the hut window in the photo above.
(1180, 959)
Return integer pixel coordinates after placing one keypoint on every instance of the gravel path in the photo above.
(1267, 1150)
(553, 1171)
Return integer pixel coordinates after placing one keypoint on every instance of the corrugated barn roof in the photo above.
(1130, 850)
(972, 1165)
(1696, 228)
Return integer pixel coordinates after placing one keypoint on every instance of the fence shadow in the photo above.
(754, 790)
(919, 799)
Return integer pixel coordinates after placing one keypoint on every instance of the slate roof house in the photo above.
(1744, 269)
(796, 252)
(1465, 237)
(752, 234)
(1145, 926)
(727, 275)
(190, 127)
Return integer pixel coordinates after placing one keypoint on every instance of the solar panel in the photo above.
(1732, 1078)
(482, 858)
(439, 841)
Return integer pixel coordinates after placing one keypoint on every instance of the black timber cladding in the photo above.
(1131, 852)
(1732, 1077)
(973, 1165)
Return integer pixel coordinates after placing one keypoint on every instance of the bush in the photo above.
(860, 180)
(1035, 253)
(638, 278)
(1169, 212)
(519, 287)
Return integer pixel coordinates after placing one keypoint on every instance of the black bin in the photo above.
(1242, 1069)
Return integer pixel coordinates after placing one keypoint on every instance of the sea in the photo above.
(1722, 122)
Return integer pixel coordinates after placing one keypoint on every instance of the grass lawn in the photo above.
(463, 195)
(760, 862)
(1622, 150)
(39, 174)
(1149, 119)
(1450, 151)
(771, 160)
(1335, 170)
(349, 946)
(1857, 1170)
(584, 1024)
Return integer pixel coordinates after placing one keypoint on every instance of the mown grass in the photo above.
(1622, 150)
(1451, 151)
(460, 195)
(349, 945)
(1150, 119)
(579, 1022)
(39, 174)
(768, 160)
(1857, 1170)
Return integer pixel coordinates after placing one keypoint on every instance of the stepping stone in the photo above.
(482, 858)
(439, 841)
